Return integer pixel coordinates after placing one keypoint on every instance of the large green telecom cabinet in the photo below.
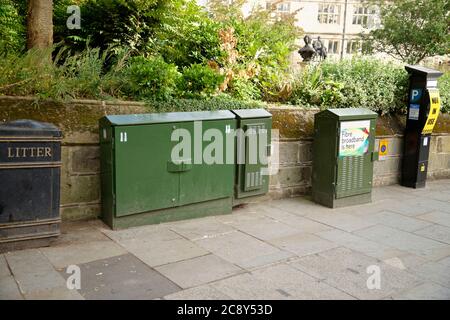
(143, 183)
(252, 177)
(343, 156)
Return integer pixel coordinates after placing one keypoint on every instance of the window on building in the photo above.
(333, 46)
(329, 13)
(364, 15)
(284, 7)
(353, 47)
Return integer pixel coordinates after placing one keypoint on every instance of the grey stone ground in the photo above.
(284, 249)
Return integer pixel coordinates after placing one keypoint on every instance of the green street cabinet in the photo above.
(252, 152)
(155, 167)
(343, 156)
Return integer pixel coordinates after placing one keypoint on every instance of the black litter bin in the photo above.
(30, 170)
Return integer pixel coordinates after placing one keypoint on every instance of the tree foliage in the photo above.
(12, 30)
(412, 29)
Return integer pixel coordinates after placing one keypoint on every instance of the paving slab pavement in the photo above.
(122, 277)
(280, 249)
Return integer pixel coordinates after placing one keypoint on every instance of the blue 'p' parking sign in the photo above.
(416, 95)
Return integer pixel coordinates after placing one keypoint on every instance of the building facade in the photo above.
(338, 23)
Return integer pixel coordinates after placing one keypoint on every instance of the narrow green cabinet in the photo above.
(252, 151)
(343, 156)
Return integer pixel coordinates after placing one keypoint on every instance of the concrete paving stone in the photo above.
(4, 270)
(344, 258)
(97, 224)
(435, 232)
(433, 271)
(404, 191)
(74, 254)
(436, 205)
(157, 232)
(248, 287)
(156, 244)
(357, 243)
(407, 207)
(78, 232)
(243, 250)
(200, 228)
(438, 217)
(347, 270)
(445, 261)
(403, 260)
(398, 221)
(391, 192)
(33, 271)
(424, 247)
(298, 285)
(198, 271)
(380, 193)
(299, 223)
(363, 211)
(122, 277)
(435, 254)
(343, 221)
(436, 195)
(303, 244)
(425, 291)
(264, 228)
(205, 292)
(58, 293)
(9, 289)
(160, 252)
(299, 205)
(249, 212)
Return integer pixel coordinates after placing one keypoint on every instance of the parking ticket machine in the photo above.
(423, 111)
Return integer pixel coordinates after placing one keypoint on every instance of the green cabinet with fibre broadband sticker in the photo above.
(343, 155)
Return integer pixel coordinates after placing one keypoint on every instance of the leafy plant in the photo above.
(312, 89)
(244, 89)
(105, 23)
(359, 82)
(199, 80)
(219, 102)
(444, 91)
(12, 30)
(150, 78)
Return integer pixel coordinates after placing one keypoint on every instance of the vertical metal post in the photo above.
(344, 29)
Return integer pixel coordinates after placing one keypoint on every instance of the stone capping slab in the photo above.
(287, 107)
(76, 101)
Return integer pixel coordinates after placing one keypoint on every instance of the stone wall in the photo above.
(80, 179)
(295, 151)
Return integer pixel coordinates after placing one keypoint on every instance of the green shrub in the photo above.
(105, 23)
(221, 102)
(356, 83)
(188, 36)
(244, 89)
(311, 88)
(370, 83)
(275, 84)
(150, 78)
(80, 76)
(12, 31)
(27, 74)
(199, 81)
(444, 91)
